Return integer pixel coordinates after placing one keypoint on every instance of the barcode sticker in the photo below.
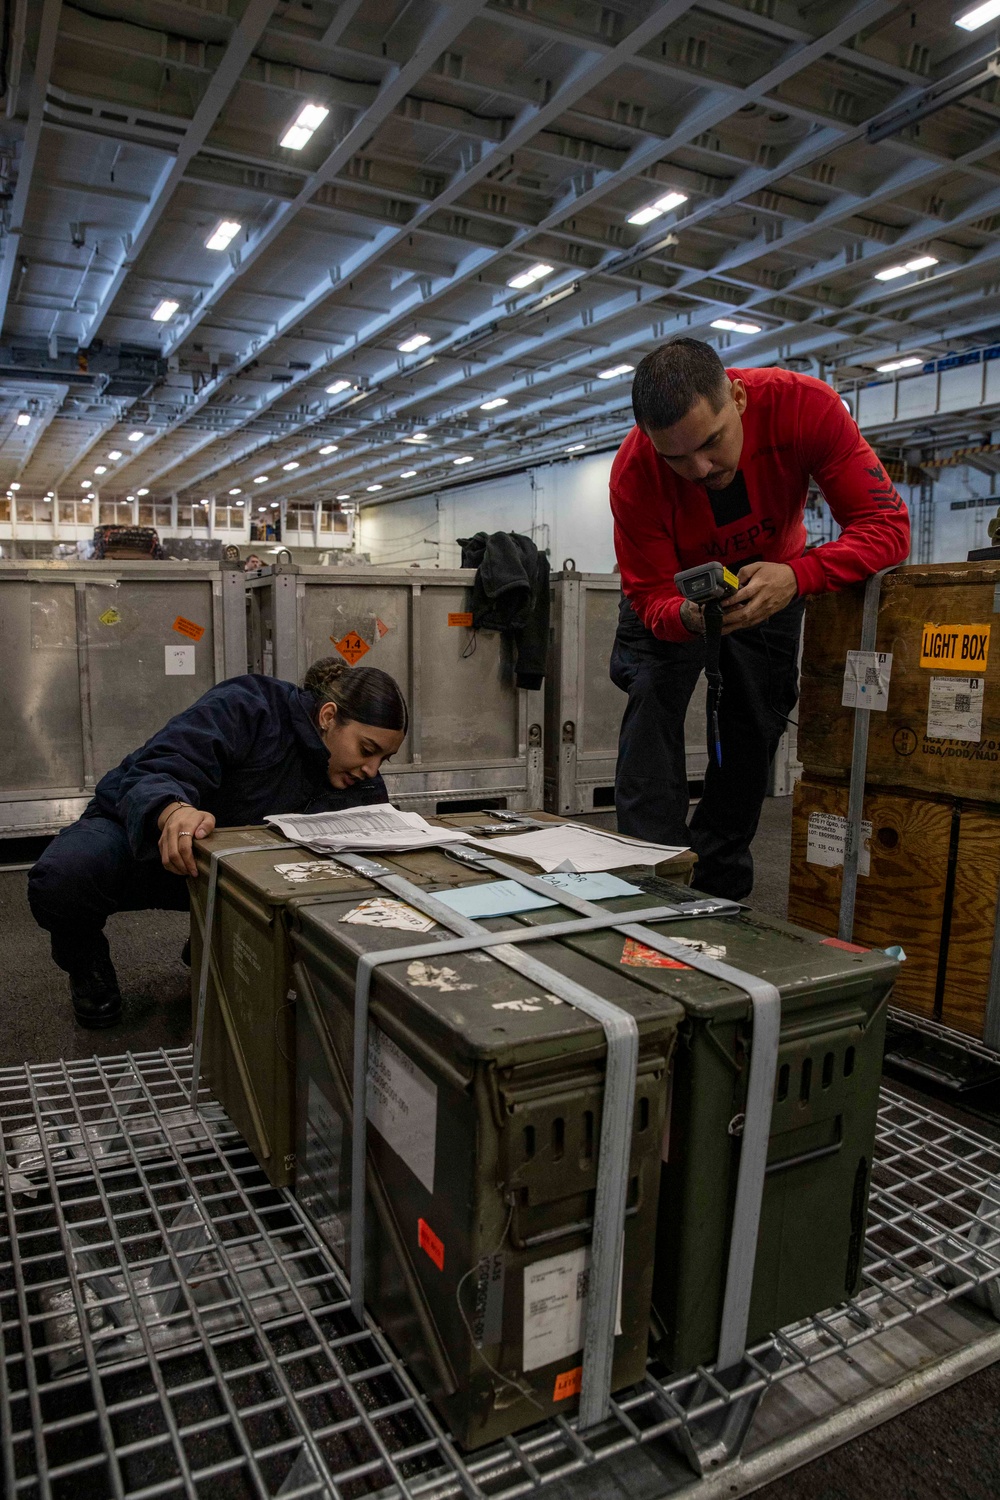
(955, 709)
(866, 680)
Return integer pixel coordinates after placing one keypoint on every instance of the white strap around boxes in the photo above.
(766, 1004)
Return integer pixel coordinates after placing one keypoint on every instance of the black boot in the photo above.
(97, 1001)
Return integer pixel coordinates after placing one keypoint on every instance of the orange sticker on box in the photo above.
(638, 956)
(462, 619)
(189, 628)
(839, 943)
(965, 647)
(381, 627)
(430, 1244)
(351, 647)
(569, 1383)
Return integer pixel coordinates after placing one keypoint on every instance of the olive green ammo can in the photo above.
(248, 1055)
(484, 1113)
(833, 1010)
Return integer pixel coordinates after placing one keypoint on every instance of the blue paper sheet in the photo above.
(501, 898)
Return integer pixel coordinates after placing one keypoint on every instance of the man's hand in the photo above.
(692, 617)
(765, 587)
(180, 824)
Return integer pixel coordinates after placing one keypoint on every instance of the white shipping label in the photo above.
(402, 1105)
(555, 1306)
(827, 837)
(314, 869)
(379, 911)
(955, 708)
(866, 680)
(178, 661)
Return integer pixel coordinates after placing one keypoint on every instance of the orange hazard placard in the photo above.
(351, 647)
(381, 627)
(189, 628)
(638, 956)
(569, 1383)
(462, 619)
(430, 1244)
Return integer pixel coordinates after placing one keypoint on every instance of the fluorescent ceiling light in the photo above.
(240, 502)
(236, 492)
(919, 264)
(84, 499)
(203, 502)
(23, 418)
(274, 504)
(614, 371)
(492, 404)
(575, 447)
(15, 485)
(101, 469)
(532, 274)
(164, 311)
(136, 437)
(414, 342)
(262, 479)
(290, 466)
(262, 507)
(86, 484)
(657, 209)
(973, 19)
(220, 237)
(418, 437)
(343, 497)
(466, 458)
(909, 362)
(129, 497)
(115, 454)
(338, 386)
(408, 474)
(50, 494)
(371, 488)
(142, 492)
(308, 120)
(735, 325)
(328, 448)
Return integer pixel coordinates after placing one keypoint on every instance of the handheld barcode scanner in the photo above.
(707, 585)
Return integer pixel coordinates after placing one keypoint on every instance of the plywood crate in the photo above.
(944, 740)
(929, 882)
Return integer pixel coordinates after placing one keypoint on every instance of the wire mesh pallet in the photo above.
(173, 1326)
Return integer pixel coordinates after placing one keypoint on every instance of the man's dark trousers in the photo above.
(760, 688)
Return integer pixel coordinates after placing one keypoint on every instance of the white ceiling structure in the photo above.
(798, 149)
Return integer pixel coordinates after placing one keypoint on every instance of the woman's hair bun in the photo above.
(323, 673)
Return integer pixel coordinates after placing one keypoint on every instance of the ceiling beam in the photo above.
(40, 75)
(252, 25)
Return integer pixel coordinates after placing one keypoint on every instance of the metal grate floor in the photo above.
(170, 1325)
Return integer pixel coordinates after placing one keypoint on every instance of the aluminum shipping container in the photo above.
(475, 739)
(97, 656)
(583, 708)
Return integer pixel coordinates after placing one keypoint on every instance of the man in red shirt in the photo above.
(718, 467)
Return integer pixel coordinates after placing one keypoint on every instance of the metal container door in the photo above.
(41, 728)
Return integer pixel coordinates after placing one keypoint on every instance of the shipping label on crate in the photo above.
(402, 1105)
(827, 838)
(966, 647)
(866, 680)
(955, 708)
(555, 1305)
(178, 661)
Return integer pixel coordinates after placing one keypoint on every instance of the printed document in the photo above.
(573, 849)
(381, 826)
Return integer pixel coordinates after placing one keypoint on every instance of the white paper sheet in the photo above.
(381, 826)
(380, 911)
(572, 849)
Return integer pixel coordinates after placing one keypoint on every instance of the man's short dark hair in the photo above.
(669, 381)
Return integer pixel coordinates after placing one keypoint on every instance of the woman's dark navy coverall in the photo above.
(247, 748)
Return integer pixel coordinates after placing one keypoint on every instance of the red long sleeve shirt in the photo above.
(793, 427)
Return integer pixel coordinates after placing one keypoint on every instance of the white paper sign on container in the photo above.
(866, 680)
(178, 661)
(402, 1105)
(826, 840)
(955, 709)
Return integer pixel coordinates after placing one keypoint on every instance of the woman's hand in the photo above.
(180, 824)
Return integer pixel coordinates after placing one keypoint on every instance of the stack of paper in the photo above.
(570, 847)
(365, 828)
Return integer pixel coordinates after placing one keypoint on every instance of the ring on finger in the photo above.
(185, 835)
